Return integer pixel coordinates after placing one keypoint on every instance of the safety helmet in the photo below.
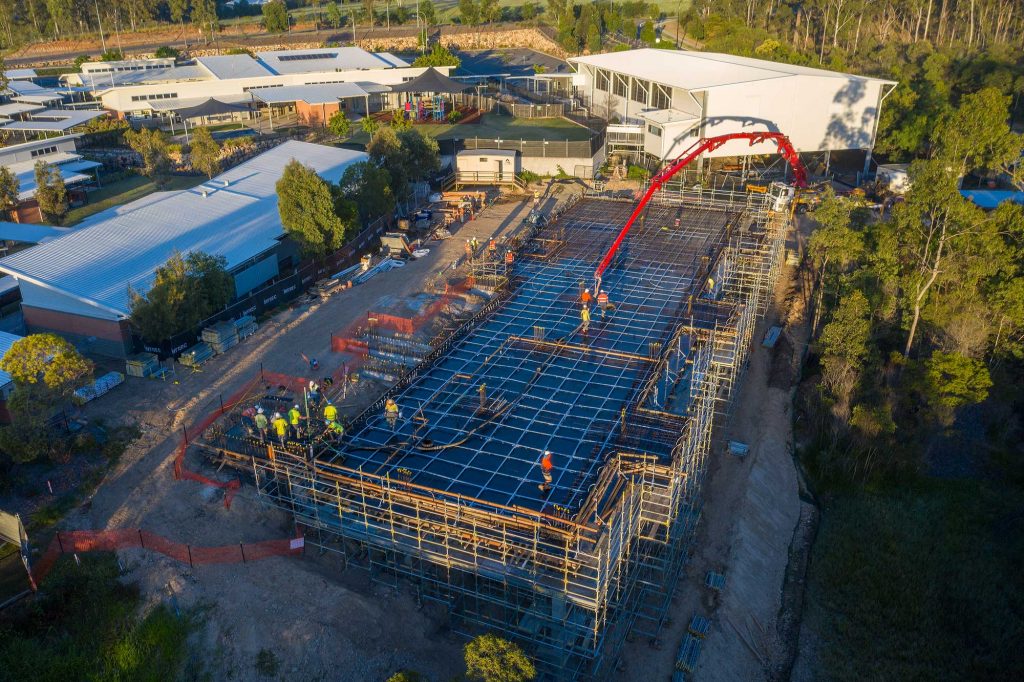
(259, 410)
(296, 407)
(277, 415)
(547, 453)
(586, 291)
(327, 421)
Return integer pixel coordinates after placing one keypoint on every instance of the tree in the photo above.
(275, 16)
(469, 12)
(368, 6)
(153, 147)
(952, 381)
(334, 16)
(166, 51)
(427, 12)
(422, 154)
(48, 361)
(844, 347)
(490, 658)
(369, 125)
(339, 124)
(647, 34)
(186, 290)
(977, 136)
(9, 189)
(385, 150)
(489, 11)
(529, 11)
(204, 16)
(307, 210)
(205, 152)
(112, 55)
(51, 193)
(439, 55)
(369, 188)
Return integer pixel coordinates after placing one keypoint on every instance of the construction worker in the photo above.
(391, 412)
(492, 247)
(261, 424)
(604, 305)
(586, 297)
(314, 392)
(536, 198)
(545, 469)
(280, 425)
(333, 430)
(330, 412)
(585, 316)
(469, 250)
(476, 244)
(510, 258)
(295, 421)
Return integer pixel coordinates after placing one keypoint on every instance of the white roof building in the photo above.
(88, 271)
(672, 98)
(151, 87)
(60, 152)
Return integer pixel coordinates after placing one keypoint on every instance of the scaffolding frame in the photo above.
(573, 574)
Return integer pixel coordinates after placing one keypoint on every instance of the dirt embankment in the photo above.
(304, 36)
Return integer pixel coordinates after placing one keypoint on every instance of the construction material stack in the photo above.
(245, 326)
(99, 387)
(142, 365)
(196, 356)
(222, 337)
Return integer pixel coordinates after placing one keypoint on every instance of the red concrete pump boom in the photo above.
(702, 145)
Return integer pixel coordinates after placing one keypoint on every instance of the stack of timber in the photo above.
(196, 356)
(142, 365)
(222, 337)
(246, 326)
(99, 387)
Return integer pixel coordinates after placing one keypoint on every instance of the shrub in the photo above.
(637, 173)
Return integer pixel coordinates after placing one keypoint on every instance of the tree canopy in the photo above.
(439, 55)
(306, 205)
(205, 152)
(154, 148)
(369, 187)
(408, 156)
(490, 658)
(275, 16)
(47, 360)
(339, 124)
(9, 188)
(51, 193)
(186, 290)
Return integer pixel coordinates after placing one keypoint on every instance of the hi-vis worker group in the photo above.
(604, 306)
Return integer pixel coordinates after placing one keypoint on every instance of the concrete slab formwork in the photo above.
(448, 495)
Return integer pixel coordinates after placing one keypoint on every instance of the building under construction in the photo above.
(448, 495)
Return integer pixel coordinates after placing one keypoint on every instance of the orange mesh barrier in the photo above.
(181, 473)
(78, 541)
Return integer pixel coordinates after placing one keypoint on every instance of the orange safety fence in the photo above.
(182, 473)
(79, 541)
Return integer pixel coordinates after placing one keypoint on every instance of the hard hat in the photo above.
(296, 407)
(259, 410)
(547, 453)
(327, 421)
(586, 291)
(277, 415)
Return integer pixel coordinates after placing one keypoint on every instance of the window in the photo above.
(654, 130)
(44, 151)
(260, 87)
(147, 98)
(603, 80)
(661, 97)
(640, 89)
(621, 85)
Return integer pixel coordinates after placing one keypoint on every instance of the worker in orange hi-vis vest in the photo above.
(586, 297)
(604, 305)
(509, 257)
(545, 469)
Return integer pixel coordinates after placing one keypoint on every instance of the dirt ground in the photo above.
(322, 623)
(326, 623)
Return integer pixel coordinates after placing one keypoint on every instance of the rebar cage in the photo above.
(448, 494)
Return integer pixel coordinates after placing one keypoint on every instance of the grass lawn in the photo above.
(920, 582)
(496, 126)
(123, 191)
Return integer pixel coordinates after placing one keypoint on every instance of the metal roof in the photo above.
(326, 59)
(30, 233)
(187, 102)
(54, 119)
(322, 93)
(16, 108)
(701, 70)
(70, 167)
(227, 66)
(666, 116)
(169, 74)
(20, 74)
(237, 218)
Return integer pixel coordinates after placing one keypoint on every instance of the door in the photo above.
(501, 165)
